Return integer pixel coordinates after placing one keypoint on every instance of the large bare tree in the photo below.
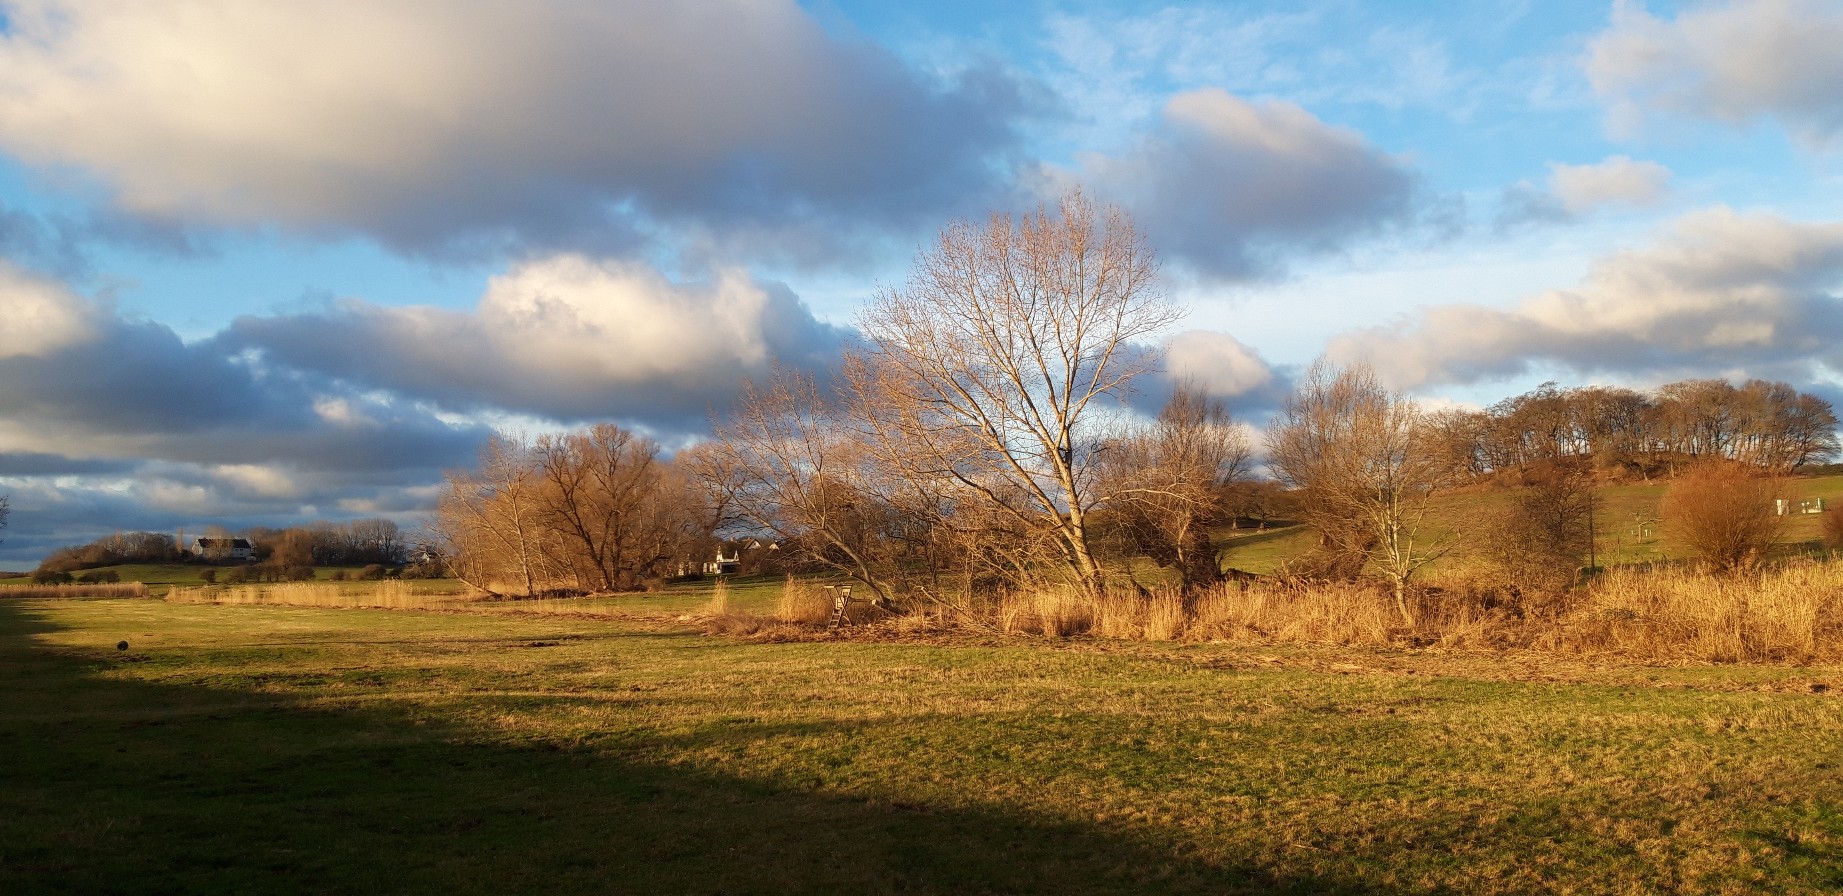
(1361, 456)
(990, 365)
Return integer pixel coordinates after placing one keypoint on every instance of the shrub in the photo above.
(100, 576)
(1724, 512)
(50, 577)
(372, 572)
(300, 573)
(209, 576)
(338, 575)
(1833, 528)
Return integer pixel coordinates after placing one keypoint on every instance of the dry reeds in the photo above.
(1785, 614)
(803, 604)
(1052, 612)
(102, 589)
(1790, 614)
(720, 603)
(389, 595)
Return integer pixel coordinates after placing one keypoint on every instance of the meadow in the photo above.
(464, 747)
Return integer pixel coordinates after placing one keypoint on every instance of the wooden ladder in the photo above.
(841, 598)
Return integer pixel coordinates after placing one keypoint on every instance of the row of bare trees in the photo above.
(592, 511)
(979, 437)
(1764, 424)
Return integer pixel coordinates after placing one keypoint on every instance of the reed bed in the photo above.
(1788, 614)
(1792, 614)
(803, 603)
(388, 595)
(101, 589)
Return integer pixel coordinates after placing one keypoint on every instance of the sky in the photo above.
(262, 264)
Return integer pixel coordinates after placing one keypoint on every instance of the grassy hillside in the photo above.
(1627, 525)
(263, 749)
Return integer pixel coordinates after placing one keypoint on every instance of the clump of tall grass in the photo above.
(720, 602)
(803, 603)
(102, 589)
(1786, 614)
(1050, 611)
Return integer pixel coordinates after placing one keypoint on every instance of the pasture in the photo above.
(250, 748)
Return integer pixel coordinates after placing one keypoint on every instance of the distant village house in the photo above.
(208, 548)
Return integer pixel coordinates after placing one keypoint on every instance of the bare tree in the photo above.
(488, 521)
(614, 507)
(987, 365)
(1724, 512)
(1547, 529)
(789, 461)
(1360, 454)
(1169, 483)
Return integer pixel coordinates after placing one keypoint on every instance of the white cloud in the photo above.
(564, 336)
(1721, 290)
(1234, 188)
(1617, 180)
(1217, 363)
(425, 122)
(41, 317)
(1731, 62)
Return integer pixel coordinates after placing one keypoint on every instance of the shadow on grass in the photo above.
(115, 786)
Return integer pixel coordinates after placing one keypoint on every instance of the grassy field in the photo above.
(281, 749)
(1627, 526)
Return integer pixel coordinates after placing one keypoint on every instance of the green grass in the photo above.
(1627, 526)
(263, 749)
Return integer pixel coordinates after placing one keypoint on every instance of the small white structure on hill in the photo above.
(1809, 505)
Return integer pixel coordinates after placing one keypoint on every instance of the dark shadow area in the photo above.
(115, 786)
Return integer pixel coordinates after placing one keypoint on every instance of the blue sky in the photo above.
(265, 263)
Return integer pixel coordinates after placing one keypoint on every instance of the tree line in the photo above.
(356, 543)
(978, 441)
(1768, 425)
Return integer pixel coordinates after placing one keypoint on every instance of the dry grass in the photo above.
(803, 603)
(720, 603)
(390, 595)
(104, 589)
(1052, 612)
(1790, 614)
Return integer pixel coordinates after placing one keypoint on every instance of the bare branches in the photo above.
(984, 368)
(1361, 456)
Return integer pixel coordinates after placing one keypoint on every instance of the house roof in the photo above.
(205, 542)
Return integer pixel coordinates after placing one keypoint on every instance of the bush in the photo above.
(338, 575)
(1832, 521)
(300, 573)
(372, 572)
(210, 576)
(51, 577)
(1724, 512)
(99, 577)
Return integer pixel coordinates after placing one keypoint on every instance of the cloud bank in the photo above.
(566, 337)
(1732, 62)
(430, 125)
(1234, 188)
(1721, 290)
